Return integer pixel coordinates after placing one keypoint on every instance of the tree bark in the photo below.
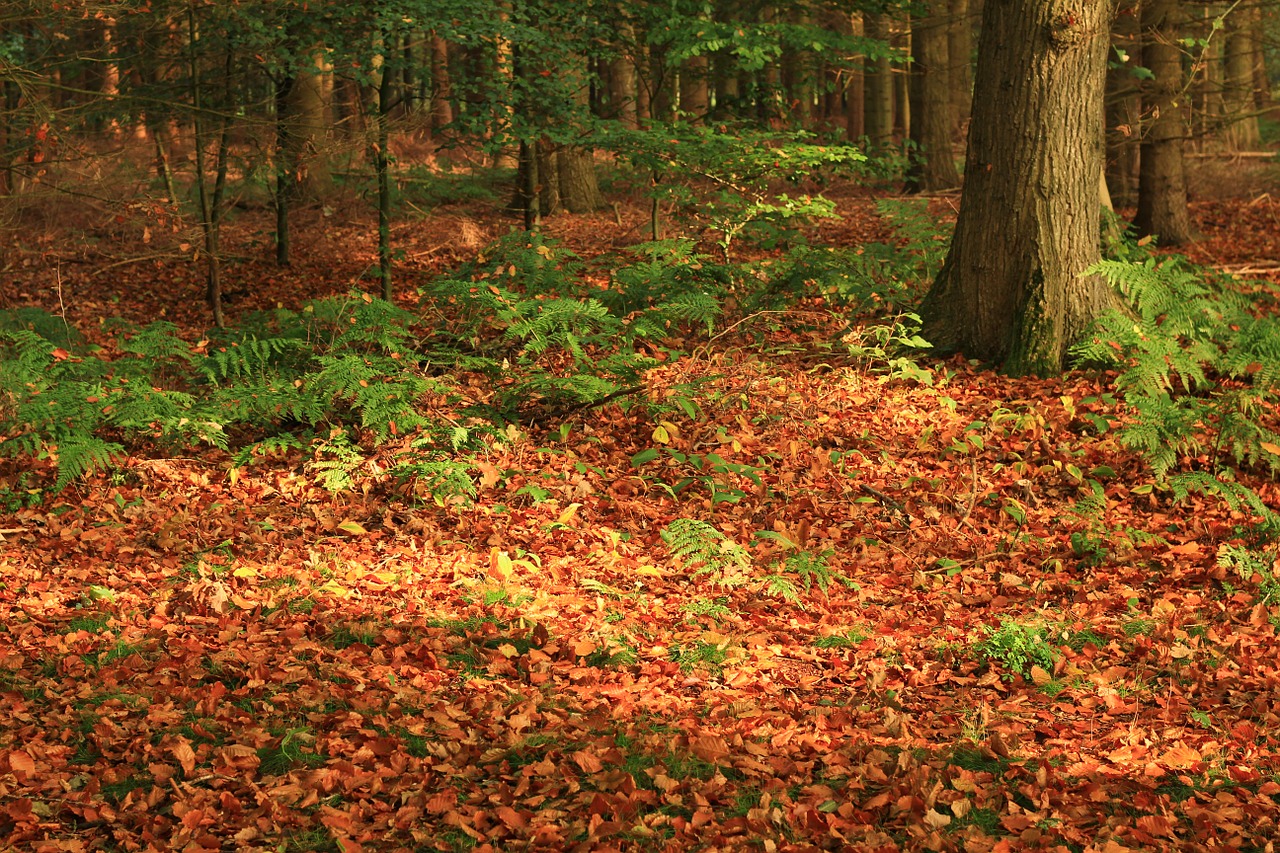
(879, 85)
(622, 79)
(695, 100)
(1162, 187)
(1123, 110)
(960, 64)
(854, 91)
(441, 84)
(1012, 290)
(932, 166)
(1239, 108)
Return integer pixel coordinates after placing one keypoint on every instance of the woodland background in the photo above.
(472, 425)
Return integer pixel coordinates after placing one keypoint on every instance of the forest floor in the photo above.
(200, 658)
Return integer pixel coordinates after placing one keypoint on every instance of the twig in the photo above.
(885, 500)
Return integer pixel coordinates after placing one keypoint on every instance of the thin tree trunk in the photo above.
(854, 91)
(960, 64)
(283, 173)
(1123, 111)
(1162, 188)
(932, 167)
(209, 209)
(382, 165)
(1239, 108)
(1012, 290)
(879, 85)
(441, 84)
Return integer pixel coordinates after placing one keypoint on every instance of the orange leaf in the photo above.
(709, 748)
(510, 817)
(186, 756)
(589, 762)
(1180, 757)
(19, 761)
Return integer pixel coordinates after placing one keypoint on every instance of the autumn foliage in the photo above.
(789, 593)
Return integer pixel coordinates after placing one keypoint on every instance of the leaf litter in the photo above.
(196, 661)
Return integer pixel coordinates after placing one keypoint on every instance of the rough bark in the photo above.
(308, 122)
(1012, 290)
(579, 190)
(932, 166)
(1162, 187)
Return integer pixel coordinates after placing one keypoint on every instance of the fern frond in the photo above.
(83, 454)
(706, 551)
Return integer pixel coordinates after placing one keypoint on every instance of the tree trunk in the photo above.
(879, 85)
(901, 94)
(960, 64)
(932, 166)
(579, 190)
(1012, 290)
(855, 102)
(1207, 80)
(1123, 111)
(1239, 109)
(622, 80)
(441, 84)
(694, 98)
(308, 123)
(1162, 188)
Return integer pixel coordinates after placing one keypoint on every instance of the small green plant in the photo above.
(716, 609)
(1253, 566)
(700, 655)
(289, 753)
(1200, 371)
(846, 639)
(707, 552)
(336, 462)
(710, 470)
(886, 348)
(1018, 646)
(808, 567)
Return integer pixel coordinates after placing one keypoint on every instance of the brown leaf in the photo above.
(21, 762)
(186, 756)
(710, 748)
(588, 761)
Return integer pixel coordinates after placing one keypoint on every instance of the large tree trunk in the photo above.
(1012, 290)
(932, 166)
(1162, 187)
(622, 80)
(308, 122)
(579, 191)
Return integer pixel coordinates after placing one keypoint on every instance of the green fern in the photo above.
(81, 454)
(1236, 495)
(706, 551)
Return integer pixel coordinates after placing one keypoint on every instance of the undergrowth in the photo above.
(1199, 373)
